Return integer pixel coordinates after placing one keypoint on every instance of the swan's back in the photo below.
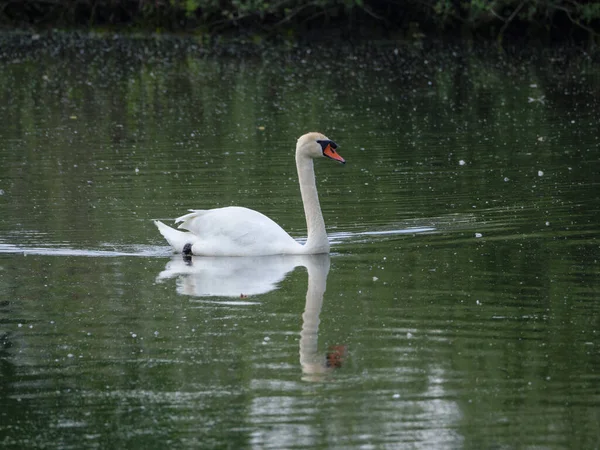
(236, 231)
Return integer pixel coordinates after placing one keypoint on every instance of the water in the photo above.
(458, 309)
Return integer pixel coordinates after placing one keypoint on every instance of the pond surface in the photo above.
(459, 307)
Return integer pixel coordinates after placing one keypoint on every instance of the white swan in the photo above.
(237, 231)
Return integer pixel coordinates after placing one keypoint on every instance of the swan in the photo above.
(238, 231)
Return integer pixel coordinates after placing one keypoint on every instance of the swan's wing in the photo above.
(237, 226)
(229, 221)
(187, 220)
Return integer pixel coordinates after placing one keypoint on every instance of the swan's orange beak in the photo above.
(331, 153)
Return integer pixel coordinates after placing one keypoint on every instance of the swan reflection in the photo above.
(221, 276)
(243, 276)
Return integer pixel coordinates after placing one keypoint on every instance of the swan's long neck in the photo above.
(317, 241)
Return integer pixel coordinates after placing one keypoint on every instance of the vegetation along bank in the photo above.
(544, 20)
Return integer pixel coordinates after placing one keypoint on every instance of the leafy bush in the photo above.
(491, 17)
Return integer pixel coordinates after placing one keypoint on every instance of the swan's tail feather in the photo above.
(176, 239)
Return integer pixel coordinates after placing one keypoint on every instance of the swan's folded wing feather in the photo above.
(189, 217)
(236, 226)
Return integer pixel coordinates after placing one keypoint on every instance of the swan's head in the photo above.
(316, 145)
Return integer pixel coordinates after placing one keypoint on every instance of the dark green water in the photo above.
(459, 307)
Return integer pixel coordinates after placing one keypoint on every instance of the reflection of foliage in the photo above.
(200, 124)
(495, 17)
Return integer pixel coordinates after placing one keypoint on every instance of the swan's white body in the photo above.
(237, 231)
